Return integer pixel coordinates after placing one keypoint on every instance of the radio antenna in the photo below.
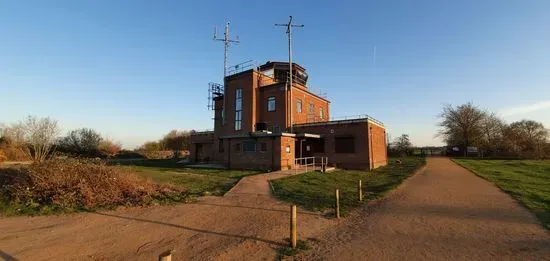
(289, 26)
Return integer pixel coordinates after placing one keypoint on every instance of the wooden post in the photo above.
(360, 191)
(293, 226)
(166, 256)
(337, 204)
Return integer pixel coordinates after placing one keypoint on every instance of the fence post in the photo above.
(167, 256)
(337, 204)
(293, 226)
(360, 191)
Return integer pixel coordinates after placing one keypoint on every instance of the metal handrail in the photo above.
(309, 162)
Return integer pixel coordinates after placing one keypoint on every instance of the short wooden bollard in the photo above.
(167, 256)
(337, 204)
(360, 191)
(293, 226)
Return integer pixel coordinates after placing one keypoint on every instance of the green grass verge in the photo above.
(315, 191)
(197, 181)
(528, 181)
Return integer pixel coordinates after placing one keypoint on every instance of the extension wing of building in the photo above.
(253, 113)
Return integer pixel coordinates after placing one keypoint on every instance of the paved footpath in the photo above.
(443, 213)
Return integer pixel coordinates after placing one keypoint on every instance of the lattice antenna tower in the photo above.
(226, 41)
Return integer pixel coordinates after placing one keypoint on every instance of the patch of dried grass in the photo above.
(81, 184)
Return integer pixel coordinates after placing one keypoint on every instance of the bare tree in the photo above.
(462, 125)
(36, 136)
(528, 138)
(402, 144)
(491, 138)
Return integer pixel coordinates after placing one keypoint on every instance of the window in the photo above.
(311, 113)
(321, 113)
(299, 105)
(249, 146)
(237, 147)
(271, 103)
(344, 145)
(263, 146)
(220, 146)
(238, 108)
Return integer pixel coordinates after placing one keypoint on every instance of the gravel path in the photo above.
(443, 213)
(246, 224)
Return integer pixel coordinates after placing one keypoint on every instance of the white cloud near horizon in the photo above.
(525, 109)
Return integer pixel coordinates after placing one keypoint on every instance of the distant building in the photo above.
(252, 125)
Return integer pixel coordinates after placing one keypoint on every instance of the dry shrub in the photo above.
(2, 156)
(11, 151)
(82, 184)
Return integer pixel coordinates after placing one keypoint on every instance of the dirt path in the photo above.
(246, 224)
(259, 184)
(444, 213)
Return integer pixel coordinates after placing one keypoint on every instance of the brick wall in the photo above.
(359, 131)
(367, 142)
(378, 145)
(287, 158)
(253, 160)
(308, 98)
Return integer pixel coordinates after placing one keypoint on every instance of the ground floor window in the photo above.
(249, 146)
(344, 144)
(237, 147)
(220, 146)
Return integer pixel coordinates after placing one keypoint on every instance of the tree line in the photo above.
(466, 126)
(175, 141)
(38, 139)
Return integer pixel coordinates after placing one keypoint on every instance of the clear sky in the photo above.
(133, 70)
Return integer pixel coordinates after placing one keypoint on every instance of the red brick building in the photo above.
(253, 113)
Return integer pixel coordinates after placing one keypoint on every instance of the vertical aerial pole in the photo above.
(289, 26)
(226, 42)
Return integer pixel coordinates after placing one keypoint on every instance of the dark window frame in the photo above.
(271, 100)
(344, 144)
(249, 146)
(238, 109)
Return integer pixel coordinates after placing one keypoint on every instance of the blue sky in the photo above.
(133, 70)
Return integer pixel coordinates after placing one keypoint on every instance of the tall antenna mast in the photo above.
(289, 26)
(226, 42)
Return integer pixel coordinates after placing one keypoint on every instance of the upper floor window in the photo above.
(321, 113)
(238, 108)
(299, 105)
(271, 103)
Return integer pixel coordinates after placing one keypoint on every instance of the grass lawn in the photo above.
(315, 191)
(526, 180)
(196, 180)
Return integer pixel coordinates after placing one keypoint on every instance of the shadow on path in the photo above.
(191, 229)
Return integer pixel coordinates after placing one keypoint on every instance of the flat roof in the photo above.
(343, 121)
